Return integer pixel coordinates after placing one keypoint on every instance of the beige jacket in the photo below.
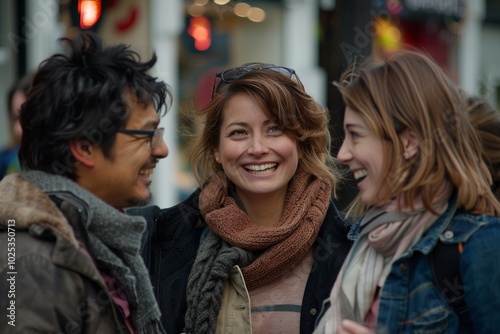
(234, 315)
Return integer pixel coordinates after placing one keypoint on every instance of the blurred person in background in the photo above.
(9, 162)
(423, 185)
(90, 144)
(257, 247)
(486, 120)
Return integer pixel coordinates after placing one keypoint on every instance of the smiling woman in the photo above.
(417, 160)
(262, 231)
(361, 151)
(257, 157)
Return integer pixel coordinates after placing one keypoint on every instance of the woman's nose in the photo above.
(258, 146)
(344, 154)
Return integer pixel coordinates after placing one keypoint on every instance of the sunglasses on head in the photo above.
(235, 73)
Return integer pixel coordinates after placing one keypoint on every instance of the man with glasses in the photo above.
(91, 141)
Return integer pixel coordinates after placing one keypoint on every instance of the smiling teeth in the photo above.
(359, 174)
(260, 167)
(146, 172)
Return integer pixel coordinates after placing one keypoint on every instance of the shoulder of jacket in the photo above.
(33, 250)
(148, 212)
(335, 220)
(465, 224)
(186, 208)
(185, 212)
(75, 211)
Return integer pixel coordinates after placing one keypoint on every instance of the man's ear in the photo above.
(410, 143)
(82, 151)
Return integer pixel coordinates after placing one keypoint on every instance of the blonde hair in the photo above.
(408, 90)
(486, 120)
(285, 101)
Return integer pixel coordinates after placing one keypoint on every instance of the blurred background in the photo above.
(194, 39)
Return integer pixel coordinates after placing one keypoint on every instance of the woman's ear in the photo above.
(82, 151)
(216, 155)
(410, 143)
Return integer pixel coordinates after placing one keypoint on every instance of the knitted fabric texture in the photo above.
(206, 281)
(114, 241)
(279, 247)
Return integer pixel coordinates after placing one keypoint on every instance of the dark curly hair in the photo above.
(82, 95)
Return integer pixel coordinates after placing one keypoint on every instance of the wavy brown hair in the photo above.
(285, 101)
(407, 89)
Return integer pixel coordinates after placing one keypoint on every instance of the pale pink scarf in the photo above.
(386, 233)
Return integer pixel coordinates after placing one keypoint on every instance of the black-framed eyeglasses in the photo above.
(155, 136)
(235, 73)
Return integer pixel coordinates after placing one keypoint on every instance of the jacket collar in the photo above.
(27, 205)
(35, 212)
(431, 236)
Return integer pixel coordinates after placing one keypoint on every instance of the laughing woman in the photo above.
(422, 185)
(257, 248)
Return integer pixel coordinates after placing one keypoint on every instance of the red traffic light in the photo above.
(90, 12)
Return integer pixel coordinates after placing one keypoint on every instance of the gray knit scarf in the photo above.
(114, 241)
(206, 281)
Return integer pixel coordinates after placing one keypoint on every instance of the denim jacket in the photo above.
(410, 300)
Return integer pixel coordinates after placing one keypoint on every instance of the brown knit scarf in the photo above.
(279, 247)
